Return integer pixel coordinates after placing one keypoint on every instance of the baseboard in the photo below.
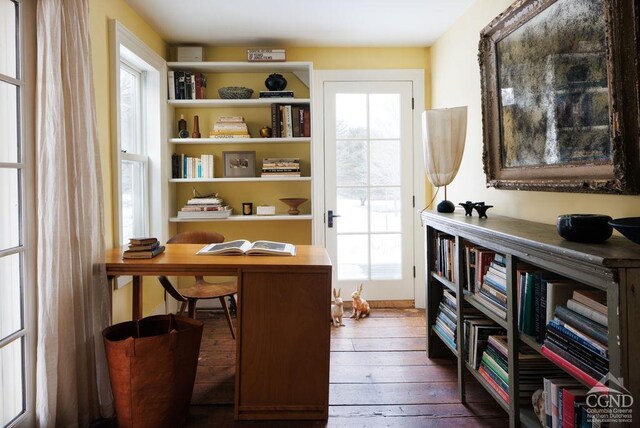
(386, 304)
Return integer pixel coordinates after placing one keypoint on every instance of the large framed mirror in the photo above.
(560, 96)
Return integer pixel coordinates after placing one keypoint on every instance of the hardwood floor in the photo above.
(380, 377)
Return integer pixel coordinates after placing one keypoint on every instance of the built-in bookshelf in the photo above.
(256, 113)
(532, 312)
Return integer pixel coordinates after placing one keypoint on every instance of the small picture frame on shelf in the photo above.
(239, 164)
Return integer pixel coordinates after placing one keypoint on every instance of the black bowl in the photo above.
(590, 228)
(629, 227)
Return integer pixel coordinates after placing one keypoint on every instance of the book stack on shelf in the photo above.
(565, 403)
(446, 320)
(477, 262)
(207, 207)
(578, 343)
(490, 279)
(539, 293)
(275, 94)
(291, 120)
(230, 127)
(445, 256)
(494, 368)
(186, 85)
(143, 248)
(477, 332)
(183, 166)
(275, 167)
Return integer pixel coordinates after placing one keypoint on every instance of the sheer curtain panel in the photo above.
(73, 297)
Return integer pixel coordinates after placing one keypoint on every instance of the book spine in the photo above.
(564, 331)
(489, 362)
(589, 352)
(275, 122)
(568, 367)
(444, 336)
(306, 129)
(543, 312)
(587, 326)
(537, 293)
(588, 312)
(172, 84)
(588, 362)
(493, 384)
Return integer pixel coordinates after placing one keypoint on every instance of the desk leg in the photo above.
(136, 308)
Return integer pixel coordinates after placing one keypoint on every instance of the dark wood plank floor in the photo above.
(380, 377)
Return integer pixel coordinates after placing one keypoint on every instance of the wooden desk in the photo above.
(283, 340)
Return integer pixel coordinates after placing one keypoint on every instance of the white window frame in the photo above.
(125, 45)
(26, 82)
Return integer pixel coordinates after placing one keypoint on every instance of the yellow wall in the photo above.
(455, 80)
(101, 11)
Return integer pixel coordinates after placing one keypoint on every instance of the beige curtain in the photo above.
(444, 132)
(72, 384)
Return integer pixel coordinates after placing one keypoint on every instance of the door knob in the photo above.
(330, 216)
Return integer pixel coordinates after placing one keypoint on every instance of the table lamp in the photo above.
(443, 133)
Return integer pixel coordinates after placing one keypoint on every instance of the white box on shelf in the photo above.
(265, 210)
(190, 53)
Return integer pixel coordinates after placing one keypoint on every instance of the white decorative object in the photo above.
(444, 132)
(190, 53)
(337, 310)
(265, 210)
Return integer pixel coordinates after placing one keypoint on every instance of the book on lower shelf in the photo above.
(242, 246)
(205, 207)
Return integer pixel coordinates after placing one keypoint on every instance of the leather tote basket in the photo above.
(152, 367)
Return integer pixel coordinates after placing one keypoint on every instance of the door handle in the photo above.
(330, 216)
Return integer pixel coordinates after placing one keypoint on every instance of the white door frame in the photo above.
(416, 76)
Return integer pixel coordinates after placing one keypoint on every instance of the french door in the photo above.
(368, 136)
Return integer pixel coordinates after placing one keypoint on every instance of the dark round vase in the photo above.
(446, 207)
(588, 228)
(275, 82)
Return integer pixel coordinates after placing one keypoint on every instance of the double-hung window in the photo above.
(17, 290)
(133, 162)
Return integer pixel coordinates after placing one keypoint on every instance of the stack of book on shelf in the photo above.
(143, 248)
(446, 320)
(291, 120)
(230, 127)
(538, 294)
(579, 343)
(186, 85)
(565, 403)
(183, 166)
(274, 167)
(477, 332)
(494, 368)
(276, 94)
(208, 207)
(445, 255)
(477, 261)
(493, 283)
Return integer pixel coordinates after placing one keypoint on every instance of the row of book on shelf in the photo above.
(568, 319)
(290, 120)
(211, 206)
(186, 85)
(184, 166)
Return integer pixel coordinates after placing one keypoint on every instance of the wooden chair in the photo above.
(202, 289)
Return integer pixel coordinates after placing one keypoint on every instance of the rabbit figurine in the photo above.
(360, 306)
(337, 310)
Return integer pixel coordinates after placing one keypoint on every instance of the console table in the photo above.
(283, 331)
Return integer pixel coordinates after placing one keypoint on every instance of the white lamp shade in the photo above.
(443, 133)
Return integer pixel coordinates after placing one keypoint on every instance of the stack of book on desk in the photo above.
(143, 248)
(213, 207)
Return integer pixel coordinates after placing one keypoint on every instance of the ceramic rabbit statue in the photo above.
(337, 311)
(360, 306)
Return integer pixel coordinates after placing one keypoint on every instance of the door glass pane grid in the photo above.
(11, 316)
(10, 209)
(9, 121)
(12, 393)
(9, 38)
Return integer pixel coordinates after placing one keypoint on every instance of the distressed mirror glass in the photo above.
(556, 93)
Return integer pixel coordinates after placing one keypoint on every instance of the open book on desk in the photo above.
(242, 246)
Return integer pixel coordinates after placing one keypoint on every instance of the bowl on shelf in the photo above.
(588, 228)
(235, 93)
(293, 204)
(629, 227)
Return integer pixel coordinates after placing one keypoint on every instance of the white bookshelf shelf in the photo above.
(255, 102)
(281, 217)
(238, 179)
(228, 141)
(241, 67)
